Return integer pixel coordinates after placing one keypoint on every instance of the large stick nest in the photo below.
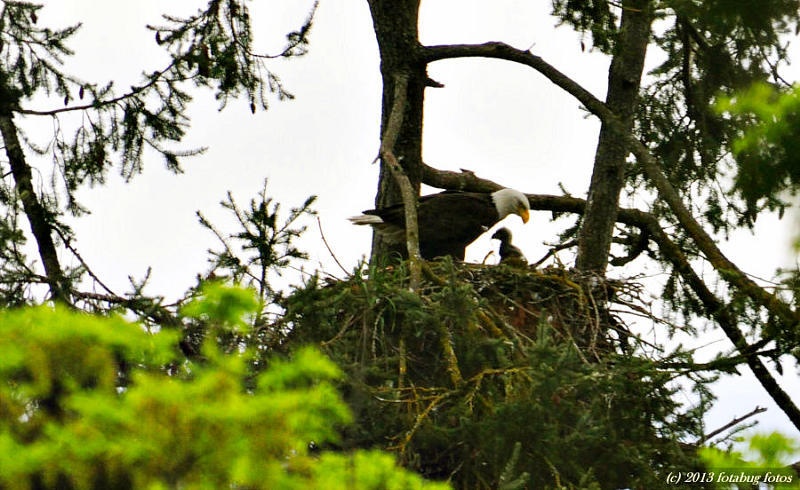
(451, 375)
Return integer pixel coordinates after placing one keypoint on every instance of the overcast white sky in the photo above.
(505, 122)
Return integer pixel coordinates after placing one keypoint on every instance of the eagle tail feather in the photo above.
(365, 219)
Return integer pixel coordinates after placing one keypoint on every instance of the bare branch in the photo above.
(553, 250)
(68, 244)
(730, 424)
(390, 135)
(498, 50)
(319, 224)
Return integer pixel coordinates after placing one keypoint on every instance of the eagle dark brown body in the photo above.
(448, 221)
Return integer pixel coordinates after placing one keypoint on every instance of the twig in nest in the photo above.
(418, 421)
(446, 338)
(553, 250)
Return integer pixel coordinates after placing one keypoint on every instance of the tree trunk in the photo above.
(608, 177)
(395, 24)
(36, 213)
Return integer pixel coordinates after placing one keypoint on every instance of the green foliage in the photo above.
(713, 48)
(14, 268)
(707, 51)
(740, 20)
(773, 453)
(489, 378)
(507, 480)
(583, 416)
(147, 116)
(710, 48)
(261, 249)
(223, 305)
(767, 151)
(87, 402)
(31, 54)
(594, 16)
(774, 449)
(367, 469)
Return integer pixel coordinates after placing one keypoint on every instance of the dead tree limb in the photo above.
(395, 122)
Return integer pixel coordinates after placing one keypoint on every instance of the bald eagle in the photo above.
(509, 254)
(448, 221)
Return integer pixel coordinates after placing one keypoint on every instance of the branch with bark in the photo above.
(735, 421)
(715, 308)
(724, 266)
(670, 252)
(388, 141)
(34, 210)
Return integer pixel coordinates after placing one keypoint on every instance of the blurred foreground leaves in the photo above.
(91, 402)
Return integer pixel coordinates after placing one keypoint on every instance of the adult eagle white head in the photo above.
(448, 221)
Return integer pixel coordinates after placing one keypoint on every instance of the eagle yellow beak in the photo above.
(523, 213)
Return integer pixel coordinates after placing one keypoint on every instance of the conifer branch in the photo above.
(296, 39)
(155, 78)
